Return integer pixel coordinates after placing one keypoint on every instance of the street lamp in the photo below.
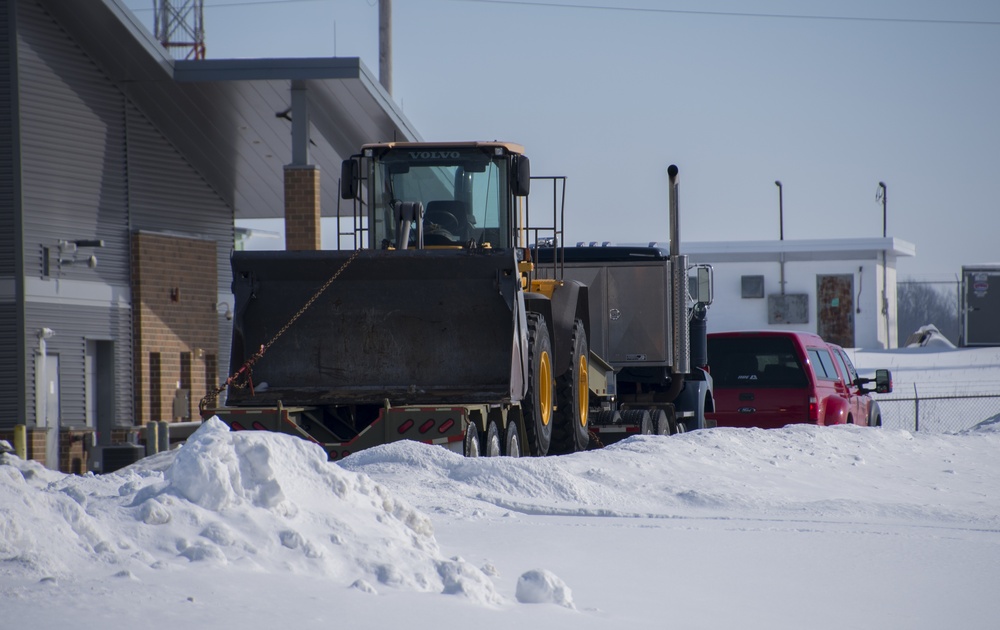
(781, 212)
(881, 195)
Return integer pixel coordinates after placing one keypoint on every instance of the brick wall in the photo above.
(174, 296)
(302, 208)
(34, 441)
(73, 454)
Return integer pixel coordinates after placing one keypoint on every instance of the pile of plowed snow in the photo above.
(248, 500)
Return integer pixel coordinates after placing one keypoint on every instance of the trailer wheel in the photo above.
(640, 418)
(571, 430)
(512, 440)
(663, 422)
(491, 441)
(537, 404)
(472, 441)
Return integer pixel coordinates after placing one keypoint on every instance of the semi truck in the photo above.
(452, 320)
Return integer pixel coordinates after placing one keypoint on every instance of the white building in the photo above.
(842, 289)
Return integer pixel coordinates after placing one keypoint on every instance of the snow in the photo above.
(801, 527)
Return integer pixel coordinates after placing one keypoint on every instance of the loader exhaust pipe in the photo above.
(681, 355)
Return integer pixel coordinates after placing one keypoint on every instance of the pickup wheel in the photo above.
(537, 404)
(874, 416)
(570, 429)
(491, 440)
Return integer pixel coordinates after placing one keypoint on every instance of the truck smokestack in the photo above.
(675, 221)
(681, 363)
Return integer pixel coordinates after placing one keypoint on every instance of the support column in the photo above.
(302, 182)
(302, 215)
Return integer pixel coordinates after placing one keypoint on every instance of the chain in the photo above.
(243, 377)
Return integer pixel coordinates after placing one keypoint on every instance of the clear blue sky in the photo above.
(737, 93)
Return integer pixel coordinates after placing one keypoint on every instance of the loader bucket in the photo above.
(408, 327)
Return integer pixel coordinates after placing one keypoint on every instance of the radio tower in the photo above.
(180, 27)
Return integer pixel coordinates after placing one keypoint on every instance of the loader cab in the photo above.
(425, 195)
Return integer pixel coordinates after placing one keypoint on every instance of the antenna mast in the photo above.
(180, 26)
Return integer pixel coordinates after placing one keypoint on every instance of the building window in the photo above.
(752, 286)
(155, 373)
(211, 373)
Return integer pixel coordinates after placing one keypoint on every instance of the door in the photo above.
(982, 305)
(857, 402)
(99, 386)
(835, 309)
(50, 411)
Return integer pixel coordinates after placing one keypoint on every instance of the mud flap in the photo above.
(412, 327)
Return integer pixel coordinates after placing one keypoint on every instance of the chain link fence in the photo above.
(938, 413)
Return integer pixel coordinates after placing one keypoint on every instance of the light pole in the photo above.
(881, 194)
(781, 212)
(781, 236)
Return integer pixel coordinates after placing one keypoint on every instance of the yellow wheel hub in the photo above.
(583, 390)
(544, 386)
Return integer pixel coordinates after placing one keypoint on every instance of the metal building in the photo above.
(121, 174)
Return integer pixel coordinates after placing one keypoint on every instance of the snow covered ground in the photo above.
(802, 527)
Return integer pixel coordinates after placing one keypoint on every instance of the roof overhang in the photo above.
(231, 118)
(798, 250)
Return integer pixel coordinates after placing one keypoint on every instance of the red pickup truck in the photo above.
(770, 379)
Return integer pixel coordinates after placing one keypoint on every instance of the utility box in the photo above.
(980, 316)
(105, 459)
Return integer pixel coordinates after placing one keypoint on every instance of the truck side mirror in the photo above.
(705, 288)
(350, 174)
(520, 176)
(883, 381)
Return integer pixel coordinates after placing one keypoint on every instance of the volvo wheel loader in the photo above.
(435, 329)
(440, 325)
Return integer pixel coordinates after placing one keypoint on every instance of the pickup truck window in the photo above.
(822, 364)
(760, 362)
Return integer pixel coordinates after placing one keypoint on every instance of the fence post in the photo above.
(916, 410)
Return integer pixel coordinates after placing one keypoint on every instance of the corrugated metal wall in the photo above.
(7, 236)
(73, 187)
(93, 168)
(73, 153)
(10, 366)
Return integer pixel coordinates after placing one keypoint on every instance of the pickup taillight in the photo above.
(813, 410)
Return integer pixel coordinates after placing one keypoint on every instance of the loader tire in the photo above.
(537, 404)
(570, 428)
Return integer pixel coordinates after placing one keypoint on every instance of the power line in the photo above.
(785, 16)
(242, 3)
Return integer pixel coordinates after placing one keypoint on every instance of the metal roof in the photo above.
(230, 118)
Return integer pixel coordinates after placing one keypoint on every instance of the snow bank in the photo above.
(252, 501)
(798, 471)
